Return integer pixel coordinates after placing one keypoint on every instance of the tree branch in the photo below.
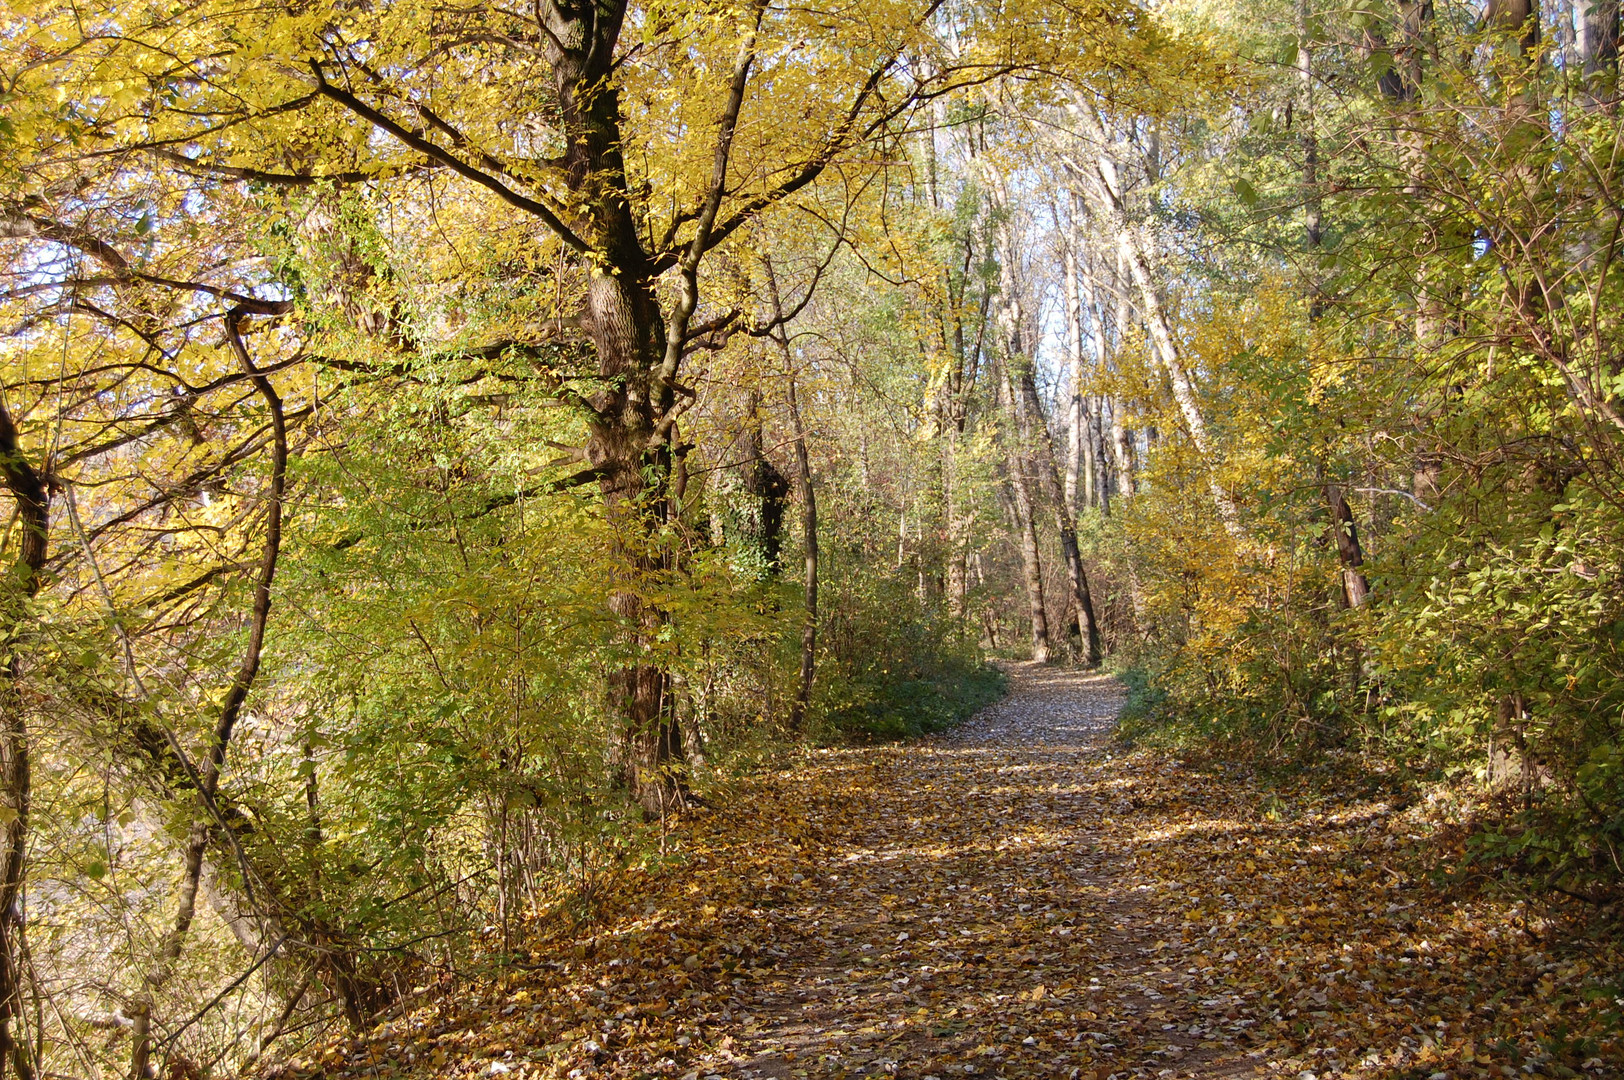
(417, 142)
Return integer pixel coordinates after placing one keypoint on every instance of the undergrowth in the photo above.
(907, 697)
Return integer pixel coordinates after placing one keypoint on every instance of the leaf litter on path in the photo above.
(1025, 898)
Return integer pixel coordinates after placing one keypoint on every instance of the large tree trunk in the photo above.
(627, 443)
(634, 470)
(32, 499)
(761, 527)
(639, 343)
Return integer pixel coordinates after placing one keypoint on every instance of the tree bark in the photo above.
(809, 544)
(953, 408)
(1355, 587)
(31, 496)
(1088, 463)
(1031, 560)
(1598, 42)
(958, 578)
(763, 527)
(1122, 443)
(1076, 428)
(1079, 487)
(1107, 448)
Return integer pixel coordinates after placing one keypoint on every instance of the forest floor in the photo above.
(1025, 897)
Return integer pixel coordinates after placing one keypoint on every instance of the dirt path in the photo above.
(1026, 899)
(976, 925)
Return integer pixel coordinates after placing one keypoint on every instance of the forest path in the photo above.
(1026, 898)
(985, 918)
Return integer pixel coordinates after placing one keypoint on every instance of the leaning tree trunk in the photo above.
(31, 496)
(204, 826)
(1082, 599)
(1109, 191)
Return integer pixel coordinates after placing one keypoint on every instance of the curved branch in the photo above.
(260, 176)
(248, 670)
(417, 142)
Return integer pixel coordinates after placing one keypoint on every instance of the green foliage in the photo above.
(1451, 380)
(893, 668)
